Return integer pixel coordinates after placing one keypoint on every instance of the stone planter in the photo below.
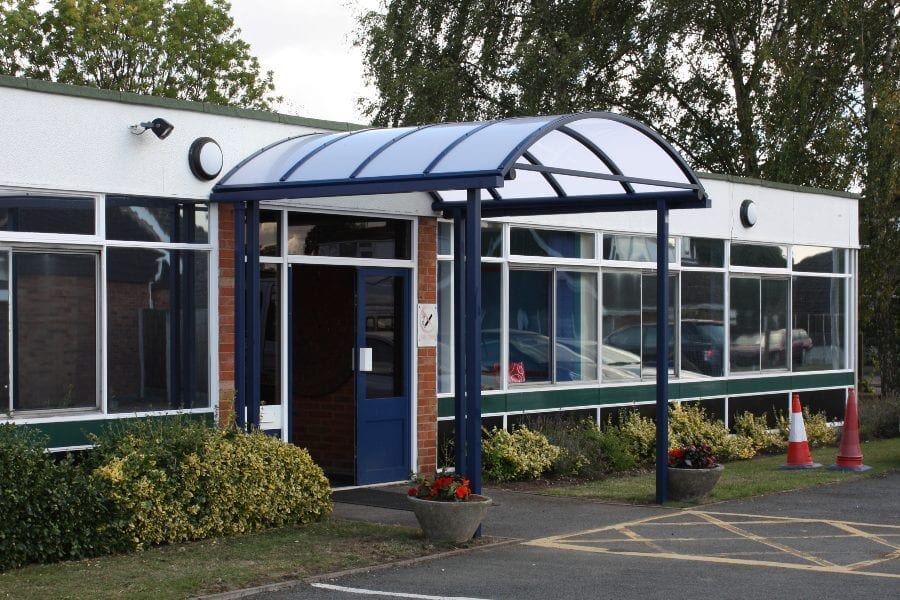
(450, 521)
(690, 485)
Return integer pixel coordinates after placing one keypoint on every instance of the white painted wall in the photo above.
(785, 216)
(64, 142)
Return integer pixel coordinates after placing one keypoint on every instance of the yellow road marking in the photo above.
(760, 539)
(710, 518)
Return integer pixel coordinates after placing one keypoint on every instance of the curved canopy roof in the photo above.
(526, 162)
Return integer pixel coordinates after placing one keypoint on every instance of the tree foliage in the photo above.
(186, 49)
(797, 91)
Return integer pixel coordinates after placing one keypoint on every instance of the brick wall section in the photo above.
(226, 313)
(427, 357)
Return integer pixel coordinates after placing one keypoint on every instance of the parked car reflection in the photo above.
(702, 344)
(748, 349)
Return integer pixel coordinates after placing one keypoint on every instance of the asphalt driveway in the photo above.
(836, 541)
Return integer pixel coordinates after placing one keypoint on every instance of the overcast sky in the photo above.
(309, 46)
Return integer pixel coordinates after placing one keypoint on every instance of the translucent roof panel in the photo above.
(633, 152)
(603, 158)
(416, 151)
(353, 149)
(271, 163)
(489, 145)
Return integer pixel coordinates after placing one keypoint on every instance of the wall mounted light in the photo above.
(205, 158)
(160, 128)
(748, 213)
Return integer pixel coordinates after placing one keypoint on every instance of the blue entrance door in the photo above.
(382, 366)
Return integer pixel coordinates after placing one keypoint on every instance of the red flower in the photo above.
(462, 492)
(413, 491)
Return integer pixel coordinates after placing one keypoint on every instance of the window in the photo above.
(759, 255)
(312, 234)
(491, 306)
(629, 324)
(552, 326)
(813, 259)
(633, 248)
(54, 330)
(551, 243)
(156, 220)
(269, 233)
(158, 324)
(270, 322)
(702, 323)
(818, 307)
(47, 214)
(758, 326)
(702, 252)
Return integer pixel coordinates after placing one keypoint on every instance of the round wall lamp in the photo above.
(205, 158)
(748, 213)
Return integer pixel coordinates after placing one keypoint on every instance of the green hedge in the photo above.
(50, 509)
(147, 482)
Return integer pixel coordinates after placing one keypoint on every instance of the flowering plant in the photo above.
(442, 488)
(692, 456)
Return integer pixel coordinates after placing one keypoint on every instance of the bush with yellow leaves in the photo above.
(181, 479)
(522, 454)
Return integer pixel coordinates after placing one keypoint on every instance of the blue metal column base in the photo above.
(662, 350)
(473, 339)
(459, 337)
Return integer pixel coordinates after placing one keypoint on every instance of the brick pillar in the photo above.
(427, 357)
(226, 313)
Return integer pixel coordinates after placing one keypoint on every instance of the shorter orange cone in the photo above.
(849, 457)
(798, 447)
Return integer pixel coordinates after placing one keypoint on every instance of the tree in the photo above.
(186, 49)
(797, 91)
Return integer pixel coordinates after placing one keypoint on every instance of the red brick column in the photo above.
(427, 357)
(226, 313)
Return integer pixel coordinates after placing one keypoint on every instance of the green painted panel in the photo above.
(552, 398)
(702, 389)
(75, 433)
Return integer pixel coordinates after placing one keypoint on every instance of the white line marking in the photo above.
(350, 590)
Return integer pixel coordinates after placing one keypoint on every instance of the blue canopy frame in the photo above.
(576, 163)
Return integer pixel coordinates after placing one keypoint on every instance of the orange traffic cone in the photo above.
(798, 448)
(849, 457)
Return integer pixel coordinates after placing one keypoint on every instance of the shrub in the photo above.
(879, 416)
(688, 425)
(522, 454)
(50, 510)
(818, 431)
(585, 450)
(639, 435)
(756, 429)
(180, 479)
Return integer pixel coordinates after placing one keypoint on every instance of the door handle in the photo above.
(364, 364)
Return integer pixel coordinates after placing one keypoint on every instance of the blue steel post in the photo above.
(240, 325)
(459, 339)
(662, 349)
(253, 317)
(473, 338)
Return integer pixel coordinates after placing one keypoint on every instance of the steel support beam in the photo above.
(662, 349)
(240, 325)
(253, 317)
(473, 338)
(459, 338)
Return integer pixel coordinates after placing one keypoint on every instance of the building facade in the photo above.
(117, 276)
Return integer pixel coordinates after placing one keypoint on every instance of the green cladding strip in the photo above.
(557, 398)
(67, 434)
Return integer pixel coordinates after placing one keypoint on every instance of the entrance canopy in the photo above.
(579, 163)
(528, 165)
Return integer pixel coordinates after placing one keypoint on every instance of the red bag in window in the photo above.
(517, 372)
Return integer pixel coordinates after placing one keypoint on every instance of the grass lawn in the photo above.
(186, 570)
(760, 475)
